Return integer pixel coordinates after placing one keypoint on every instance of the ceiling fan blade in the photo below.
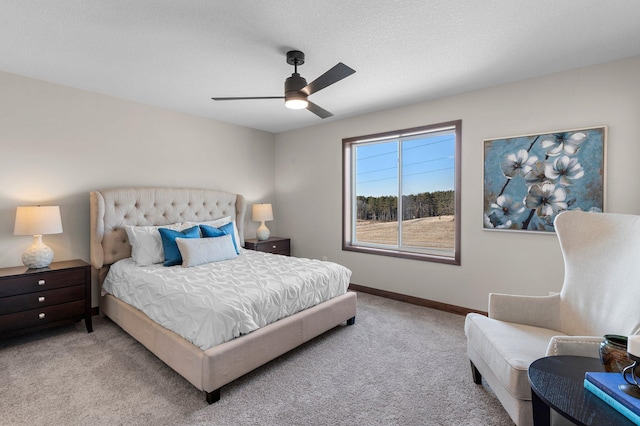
(334, 75)
(319, 111)
(255, 97)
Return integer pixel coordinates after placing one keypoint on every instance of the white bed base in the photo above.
(211, 369)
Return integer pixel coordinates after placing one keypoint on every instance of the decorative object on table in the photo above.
(613, 353)
(37, 221)
(529, 179)
(262, 213)
(632, 387)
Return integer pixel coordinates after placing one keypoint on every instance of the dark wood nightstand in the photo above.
(275, 245)
(32, 299)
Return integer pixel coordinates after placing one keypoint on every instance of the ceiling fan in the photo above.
(296, 89)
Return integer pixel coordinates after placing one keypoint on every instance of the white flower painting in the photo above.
(529, 180)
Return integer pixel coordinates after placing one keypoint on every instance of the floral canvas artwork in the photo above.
(529, 180)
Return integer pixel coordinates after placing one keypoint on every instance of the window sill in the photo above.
(404, 254)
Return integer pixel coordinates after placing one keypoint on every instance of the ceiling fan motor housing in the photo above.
(293, 87)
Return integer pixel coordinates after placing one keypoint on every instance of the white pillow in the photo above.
(197, 251)
(146, 244)
(217, 223)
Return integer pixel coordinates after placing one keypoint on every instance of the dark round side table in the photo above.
(557, 382)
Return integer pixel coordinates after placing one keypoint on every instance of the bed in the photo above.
(212, 368)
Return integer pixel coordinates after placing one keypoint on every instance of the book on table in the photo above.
(606, 387)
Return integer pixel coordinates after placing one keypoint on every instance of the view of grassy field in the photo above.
(435, 232)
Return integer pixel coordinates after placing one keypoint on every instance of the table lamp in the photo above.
(262, 213)
(37, 221)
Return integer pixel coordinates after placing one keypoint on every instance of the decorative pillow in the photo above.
(236, 237)
(217, 223)
(197, 251)
(171, 252)
(211, 232)
(146, 244)
(229, 228)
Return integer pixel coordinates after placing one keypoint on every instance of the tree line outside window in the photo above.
(426, 204)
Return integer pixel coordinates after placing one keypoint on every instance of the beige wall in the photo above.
(309, 181)
(58, 143)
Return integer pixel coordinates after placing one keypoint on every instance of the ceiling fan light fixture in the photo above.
(294, 98)
(296, 103)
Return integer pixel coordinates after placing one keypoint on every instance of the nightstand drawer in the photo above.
(31, 283)
(276, 247)
(25, 302)
(49, 314)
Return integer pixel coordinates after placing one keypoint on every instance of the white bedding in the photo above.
(212, 303)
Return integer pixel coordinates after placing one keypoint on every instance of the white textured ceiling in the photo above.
(177, 54)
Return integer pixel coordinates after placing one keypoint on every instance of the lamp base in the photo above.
(262, 233)
(38, 254)
(630, 390)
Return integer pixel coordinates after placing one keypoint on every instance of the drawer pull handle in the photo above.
(41, 299)
(41, 315)
(40, 282)
(274, 246)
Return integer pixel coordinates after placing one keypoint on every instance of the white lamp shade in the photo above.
(262, 212)
(38, 220)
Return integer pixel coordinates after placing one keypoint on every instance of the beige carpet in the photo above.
(398, 365)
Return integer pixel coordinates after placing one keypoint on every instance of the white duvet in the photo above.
(216, 302)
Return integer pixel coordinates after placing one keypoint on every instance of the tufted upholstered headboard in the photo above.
(112, 209)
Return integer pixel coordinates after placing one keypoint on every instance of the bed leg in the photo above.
(351, 321)
(213, 396)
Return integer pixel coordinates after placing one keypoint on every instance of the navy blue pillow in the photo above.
(172, 254)
(209, 232)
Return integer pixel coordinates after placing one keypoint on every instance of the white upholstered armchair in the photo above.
(600, 295)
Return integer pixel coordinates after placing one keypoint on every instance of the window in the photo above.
(401, 193)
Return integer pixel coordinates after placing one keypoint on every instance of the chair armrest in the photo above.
(537, 311)
(575, 345)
